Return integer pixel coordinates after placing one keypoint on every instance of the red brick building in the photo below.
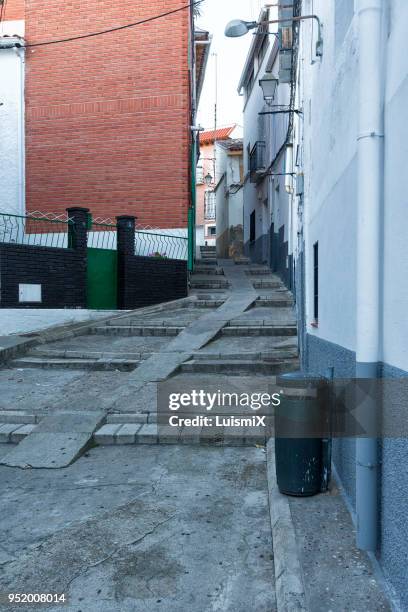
(108, 118)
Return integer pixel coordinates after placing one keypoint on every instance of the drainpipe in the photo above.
(21, 133)
(370, 185)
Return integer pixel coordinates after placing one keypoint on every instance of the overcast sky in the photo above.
(231, 55)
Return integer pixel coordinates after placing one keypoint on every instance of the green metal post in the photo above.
(192, 211)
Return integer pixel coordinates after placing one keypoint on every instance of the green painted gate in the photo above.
(102, 279)
(102, 265)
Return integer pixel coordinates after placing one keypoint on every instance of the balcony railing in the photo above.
(257, 161)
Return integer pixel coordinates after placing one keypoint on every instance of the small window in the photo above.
(213, 231)
(316, 281)
(252, 227)
(200, 175)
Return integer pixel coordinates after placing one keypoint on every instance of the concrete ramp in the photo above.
(56, 442)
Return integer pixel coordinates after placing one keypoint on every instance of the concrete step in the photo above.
(156, 323)
(268, 284)
(56, 442)
(46, 363)
(274, 302)
(244, 366)
(242, 261)
(206, 262)
(18, 416)
(151, 433)
(208, 303)
(273, 355)
(258, 272)
(209, 294)
(210, 270)
(12, 433)
(208, 284)
(259, 330)
(137, 330)
(87, 355)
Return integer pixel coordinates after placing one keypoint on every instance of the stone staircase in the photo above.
(255, 345)
(208, 253)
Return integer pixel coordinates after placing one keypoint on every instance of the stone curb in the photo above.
(119, 431)
(16, 416)
(290, 590)
(14, 432)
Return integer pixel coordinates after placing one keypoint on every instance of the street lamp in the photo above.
(208, 179)
(238, 27)
(269, 83)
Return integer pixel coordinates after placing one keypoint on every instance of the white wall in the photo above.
(229, 209)
(395, 319)
(327, 135)
(12, 196)
(254, 194)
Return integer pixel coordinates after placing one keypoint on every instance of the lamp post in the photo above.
(238, 27)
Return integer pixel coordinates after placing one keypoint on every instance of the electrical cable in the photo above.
(114, 29)
(296, 12)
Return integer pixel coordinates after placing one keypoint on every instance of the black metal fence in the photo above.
(40, 230)
(102, 236)
(164, 246)
(35, 230)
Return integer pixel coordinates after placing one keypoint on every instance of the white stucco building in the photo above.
(12, 189)
(268, 185)
(343, 209)
(229, 199)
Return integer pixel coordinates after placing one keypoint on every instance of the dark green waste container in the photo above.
(301, 423)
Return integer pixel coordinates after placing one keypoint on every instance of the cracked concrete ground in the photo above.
(168, 528)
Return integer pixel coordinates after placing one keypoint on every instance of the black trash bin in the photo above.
(301, 423)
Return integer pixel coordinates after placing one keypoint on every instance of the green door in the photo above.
(102, 279)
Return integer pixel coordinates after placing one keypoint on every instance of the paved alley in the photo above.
(137, 517)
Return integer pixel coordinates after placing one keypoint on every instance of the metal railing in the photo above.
(257, 161)
(34, 230)
(102, 236)
(163, 246)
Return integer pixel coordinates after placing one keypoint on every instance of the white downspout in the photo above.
(370, 196)
(21, 133)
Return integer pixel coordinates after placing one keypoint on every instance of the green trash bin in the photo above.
(301, 423)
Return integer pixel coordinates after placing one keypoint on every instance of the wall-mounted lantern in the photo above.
(269, 84)
(208, 179)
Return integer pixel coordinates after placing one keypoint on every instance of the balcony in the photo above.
(257, 161)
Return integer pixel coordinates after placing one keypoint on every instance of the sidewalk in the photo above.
(318, 567)
(26, 320)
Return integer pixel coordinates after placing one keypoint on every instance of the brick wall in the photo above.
(60, 272)
(107, 118)
(144, 281)
(13, 10)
